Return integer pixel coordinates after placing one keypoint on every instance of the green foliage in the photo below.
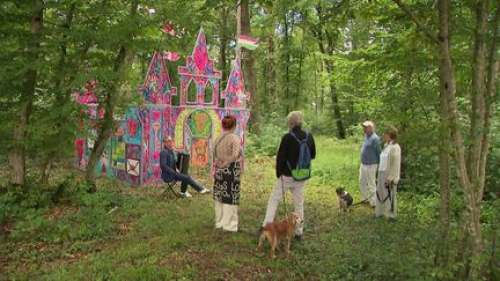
(122, 233)
(362, 57)
(266, 142)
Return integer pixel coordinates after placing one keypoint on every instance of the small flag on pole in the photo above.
(248, 42)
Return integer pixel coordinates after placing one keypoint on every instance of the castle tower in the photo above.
(199, 79)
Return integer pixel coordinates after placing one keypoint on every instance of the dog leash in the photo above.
(389, 196)
(283, 194)
(359, 203)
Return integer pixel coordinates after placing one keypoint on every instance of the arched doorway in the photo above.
(200, 128)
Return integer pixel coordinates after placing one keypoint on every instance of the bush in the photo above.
(267, 141)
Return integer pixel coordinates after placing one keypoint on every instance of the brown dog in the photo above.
(276, 231)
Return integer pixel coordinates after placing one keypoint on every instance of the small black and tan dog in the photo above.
(344, 198)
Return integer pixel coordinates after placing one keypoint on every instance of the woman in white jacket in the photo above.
(388, 175)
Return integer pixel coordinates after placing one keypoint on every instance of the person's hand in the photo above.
(388, 182)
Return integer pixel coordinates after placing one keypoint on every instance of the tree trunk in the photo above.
(472, 215)
(271, 73)
(478, 90)
(470, 167)
(299, 87)
(17, 152)
(442, 253)
(243, 27)
(61, 86)
(479, 139)
(287, 65)
(322, 90)
(326, 43)
(335, 102)
(105, 127)
(491, 96)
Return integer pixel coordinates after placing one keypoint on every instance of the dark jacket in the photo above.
(288, 151)
(167, 165)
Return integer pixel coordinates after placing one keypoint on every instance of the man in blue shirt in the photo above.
(370, 157)
(169, 171)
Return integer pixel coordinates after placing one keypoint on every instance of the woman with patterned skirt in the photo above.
(227, 157)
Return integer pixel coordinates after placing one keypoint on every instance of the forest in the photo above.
(427, 67)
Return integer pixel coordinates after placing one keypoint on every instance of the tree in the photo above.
(243, 27)
(327, 39)
(121, 63)
(17, 156)
(469, 159)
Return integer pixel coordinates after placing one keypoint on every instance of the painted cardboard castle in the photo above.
(133, 153)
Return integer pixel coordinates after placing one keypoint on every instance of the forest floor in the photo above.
(123, 233)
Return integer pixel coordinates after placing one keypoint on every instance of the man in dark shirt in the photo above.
(288, 156)
(169, 171)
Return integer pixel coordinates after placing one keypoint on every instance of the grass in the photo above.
(148, 237)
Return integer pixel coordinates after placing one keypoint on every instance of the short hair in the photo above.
(295, 118)
(228, 122)
(339, 190)
(392, 132)
(368, 123)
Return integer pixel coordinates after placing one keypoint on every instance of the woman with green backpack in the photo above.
(293, 168)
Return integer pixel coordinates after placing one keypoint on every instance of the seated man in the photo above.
(169, 172)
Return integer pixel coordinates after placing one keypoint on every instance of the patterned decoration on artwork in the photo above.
(200, 124)
(133, 128)
(234, 95)
(199, 152)
(157, 88)
(133, 167)
(199, 69)
(133, 152)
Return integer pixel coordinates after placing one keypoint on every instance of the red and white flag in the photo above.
(248, 42)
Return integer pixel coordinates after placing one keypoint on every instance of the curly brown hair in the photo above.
(228, 122)
(392, 132)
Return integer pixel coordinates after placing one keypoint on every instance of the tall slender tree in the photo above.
(468, 159)
(248, 62)
(17, 156)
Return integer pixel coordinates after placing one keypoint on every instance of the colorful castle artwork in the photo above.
(133, 153)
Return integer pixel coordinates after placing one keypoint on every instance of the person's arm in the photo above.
(164, 165)
(281, 157)
(175, 156)
(377, 146)
(313, 146)
(163, 161)
(235, 149)
(394, 164)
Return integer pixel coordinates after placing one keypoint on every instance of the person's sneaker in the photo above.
(186, 195)
(204, 190)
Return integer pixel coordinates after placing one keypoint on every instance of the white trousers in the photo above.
(226, 216)
(297, 190)
(387, 204)
(367, 182)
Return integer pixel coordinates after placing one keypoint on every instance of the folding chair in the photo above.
(169, 190)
